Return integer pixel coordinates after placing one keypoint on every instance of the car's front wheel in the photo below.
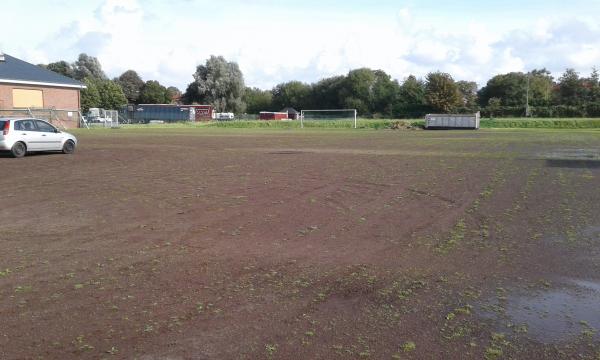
(68, 147)
(18, 150)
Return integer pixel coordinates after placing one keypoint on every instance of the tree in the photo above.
(357, 91)
(295, 94)
(441, 92)
(384, 94)
(258, 100)
(593, 98)
(192, 94)
(493, 106)
(88, 66)
(411, 102)
(219, 83)
(62, 67)
(412, 91)
(90, 96)
(111, 94)
(174, 94)
(325, 94)
(570, 88)
(541, 87)
(105, 94)
(154, 93)
(510, 88)
(468, 94)
(593, 84)
(132, 84)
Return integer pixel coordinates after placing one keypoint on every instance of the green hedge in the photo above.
(577, 123)
(541, 123)
(552, 111)
(547, 123)
(331, 124)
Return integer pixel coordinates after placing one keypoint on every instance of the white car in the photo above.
(224, 116)
(23, 135)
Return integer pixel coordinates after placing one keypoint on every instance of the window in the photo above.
(24, 98)
(25, 125)
(44, 126)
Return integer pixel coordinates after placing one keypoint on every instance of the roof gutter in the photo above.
(25, 82)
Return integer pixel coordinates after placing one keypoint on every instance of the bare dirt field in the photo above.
(290, 244)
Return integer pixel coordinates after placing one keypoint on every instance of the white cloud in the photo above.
(509, 62)
(274, 45)
(588, 55)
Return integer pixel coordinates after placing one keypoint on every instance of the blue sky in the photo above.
(276, 41)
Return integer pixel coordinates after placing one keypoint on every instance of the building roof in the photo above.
(290, 110)
(13, 70)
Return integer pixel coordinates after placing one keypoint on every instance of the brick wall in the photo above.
(54, 97)
(5, 96)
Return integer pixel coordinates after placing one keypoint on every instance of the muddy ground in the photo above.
(246, 244)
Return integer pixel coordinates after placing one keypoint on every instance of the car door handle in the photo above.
(44, 135)
(24, 134)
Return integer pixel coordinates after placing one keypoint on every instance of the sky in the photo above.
(279, 41)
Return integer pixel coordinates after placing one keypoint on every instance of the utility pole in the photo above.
(527, 113)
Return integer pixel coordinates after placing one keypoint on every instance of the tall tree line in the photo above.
(101, 92)
(373, 93)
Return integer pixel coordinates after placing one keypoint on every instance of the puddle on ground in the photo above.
(573, 164)
(571, 154)
(588, 237)
(286, 152)
(550, 316)
(592, 232)
(572, 158)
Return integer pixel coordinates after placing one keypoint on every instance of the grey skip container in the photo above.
(452, 121)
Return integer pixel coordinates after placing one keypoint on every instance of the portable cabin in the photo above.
(269, 115)
(202, 112)
(293, 114)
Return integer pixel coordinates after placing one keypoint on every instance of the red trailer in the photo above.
(268, 115)
(203, 112)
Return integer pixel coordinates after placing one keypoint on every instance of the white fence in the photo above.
(101, 118)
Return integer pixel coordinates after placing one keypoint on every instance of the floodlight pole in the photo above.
(355, 120)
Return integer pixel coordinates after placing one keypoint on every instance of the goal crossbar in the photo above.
(353, 111)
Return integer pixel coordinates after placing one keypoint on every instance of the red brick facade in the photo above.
(54, 97)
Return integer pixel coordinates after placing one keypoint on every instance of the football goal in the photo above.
(328, 115)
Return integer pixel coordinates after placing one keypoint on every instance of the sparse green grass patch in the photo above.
(542, 123)
(456, 236)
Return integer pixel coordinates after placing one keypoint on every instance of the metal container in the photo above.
(452, 121)
(167, 113)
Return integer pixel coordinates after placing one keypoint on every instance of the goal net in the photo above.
(328, 115)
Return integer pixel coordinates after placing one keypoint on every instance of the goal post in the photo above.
(328, 114)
